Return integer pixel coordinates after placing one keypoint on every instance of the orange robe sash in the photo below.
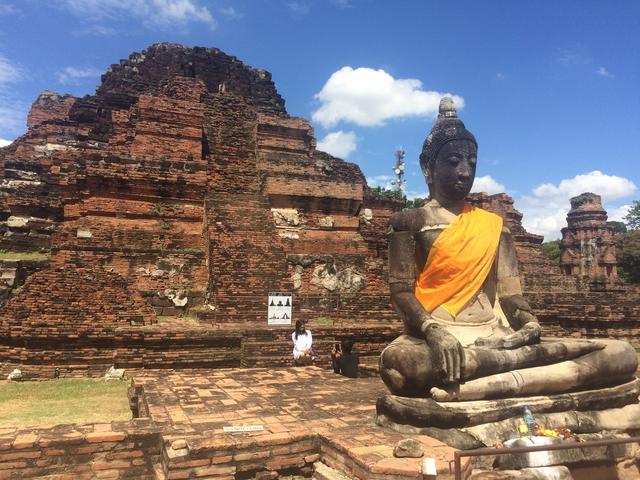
(459, 260)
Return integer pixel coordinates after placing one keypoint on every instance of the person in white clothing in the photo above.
(302, 352)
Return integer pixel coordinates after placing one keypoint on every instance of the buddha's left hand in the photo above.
(528, 334)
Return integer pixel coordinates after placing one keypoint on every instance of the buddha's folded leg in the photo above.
(480, 362)
(613, 364)
(406, 367)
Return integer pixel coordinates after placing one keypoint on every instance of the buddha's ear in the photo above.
(427, 175)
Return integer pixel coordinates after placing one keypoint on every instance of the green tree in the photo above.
(415, 202)
(617, 227)
(552, 251)
(628, 256)
(632, 218)
(386, 192)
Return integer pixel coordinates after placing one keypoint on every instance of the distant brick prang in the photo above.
(587, 248)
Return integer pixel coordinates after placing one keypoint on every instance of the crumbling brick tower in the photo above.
(587, 248)
(185, 175)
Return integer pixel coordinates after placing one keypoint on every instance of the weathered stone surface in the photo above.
(326, 222)
(179, 444)
(367, 215)
(408, 447)
(324, 472)
(114, 373)
(287, 217)
(328, 277)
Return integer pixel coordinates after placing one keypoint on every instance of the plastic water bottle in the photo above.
(528, 419)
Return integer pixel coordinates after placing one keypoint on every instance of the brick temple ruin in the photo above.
(175, 199)
(185, 177)
(154, 218)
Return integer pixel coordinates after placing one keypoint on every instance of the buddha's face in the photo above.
(454, 170)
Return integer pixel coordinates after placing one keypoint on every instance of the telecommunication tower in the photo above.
(399, 182)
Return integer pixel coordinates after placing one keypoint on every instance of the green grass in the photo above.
(55, 402)
(323, 321)
(5, 255)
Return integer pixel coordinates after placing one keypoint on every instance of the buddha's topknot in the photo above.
(446, 128)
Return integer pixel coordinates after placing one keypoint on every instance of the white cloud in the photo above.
(383, 181)
(96, 31)
(572, 56)
(13, 112)
(545, 220)
(488, 185)
(545, 211)
(369, 97)
(340, 144)
(161, 14)
(231, 12)
(73, 75)
(8, 71)
(299, 8)
(617, 214)
(8, 9)
(610, 187)
(13, 115)
(412, 194)
(4, 143)
(603, 72)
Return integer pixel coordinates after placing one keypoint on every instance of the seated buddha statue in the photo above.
(469, 334)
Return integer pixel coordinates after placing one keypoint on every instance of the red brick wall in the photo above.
(119, 450)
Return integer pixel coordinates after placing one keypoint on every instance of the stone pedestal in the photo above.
(485, 423)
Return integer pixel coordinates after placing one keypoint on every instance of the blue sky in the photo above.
(549, 88)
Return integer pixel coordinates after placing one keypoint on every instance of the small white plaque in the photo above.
(429, 466)
(242, 428)
(279, 307)
(83, 233)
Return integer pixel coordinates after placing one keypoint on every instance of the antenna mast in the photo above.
(399, 182)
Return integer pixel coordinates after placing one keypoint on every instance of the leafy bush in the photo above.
(388, 193)
(628, 256)
(552, 251)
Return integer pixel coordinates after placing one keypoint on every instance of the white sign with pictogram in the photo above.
(279, 308)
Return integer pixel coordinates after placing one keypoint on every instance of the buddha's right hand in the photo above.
(527, 335)
(448, 354)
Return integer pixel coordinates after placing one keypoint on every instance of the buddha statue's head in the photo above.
(448, 158)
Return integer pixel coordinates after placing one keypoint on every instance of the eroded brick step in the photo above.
(324, 472)
(214, 455)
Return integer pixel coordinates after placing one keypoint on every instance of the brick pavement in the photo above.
(306, 413)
